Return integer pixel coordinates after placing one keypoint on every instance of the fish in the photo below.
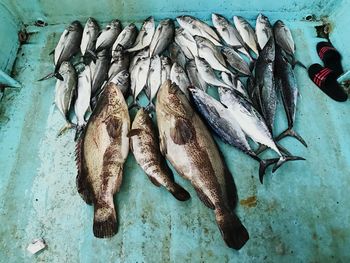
(208, 74)
(230, 34)
(89, 37)
(284, 38)
(101, 153)
(144, 143)
(236, 61)
(195, 78)
(99, 70)
(265, 83)
(197, 27)
(188, 145)
(82, 102)
(145, 35)
(162, 37)
(64, 92)
(165, 69)
(288, 88)
(252, 124)
(263, 30)
(179, 76)
(126, 38)
(235, 83)
(139, 76)
(222, 122)
(211, 54)
(144, 53)
(177, 55)
(122, 80)
(120, 61)
(67, 47)
(154, 78)
(247, 33)
(186, 42)
(108, 35)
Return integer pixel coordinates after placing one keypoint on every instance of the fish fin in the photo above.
(52, 52)
(113, 126)
(285, 159)
(65, 128)
(290, 132)
(263, 166)
(154, 181)
(162, 145)
(204, 198)
(232, 230)
(182, 132)
(78, 132)
(105, 220)
(134, 132)
(297, 62)
(283, 150)
(83, 186)
(48, 76)
(57, 75)
(92, 55)
(180, 193)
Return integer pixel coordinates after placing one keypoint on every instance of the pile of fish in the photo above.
(174, 66)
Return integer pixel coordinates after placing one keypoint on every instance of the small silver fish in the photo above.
(99, 70)
(197, 27)
(194, 76)
(82, 102)
(122, 80)
(236, 61)
(145, 35)
(120, 61)
(247, 33)
(154, 78)
(176, 54)
(162, 37)
(186, 42)
(144, 53)
(90, 33)
(139, 76)
(108, 35)
(283, 37)
(263, 30)
(178, 76)
(126, 38)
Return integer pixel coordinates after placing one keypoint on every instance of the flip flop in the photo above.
(326, 80)
(330, 57)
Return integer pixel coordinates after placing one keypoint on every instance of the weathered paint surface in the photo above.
(300, 214)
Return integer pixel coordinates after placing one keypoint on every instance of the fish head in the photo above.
(75, 26)
(202, 63)
(91, 22)
(148, 24)
(166, 22)
(115, 24)
(66, 68)
(130, 28)
(172, 100)
(200, 41)
(165, 61)
(219, 21)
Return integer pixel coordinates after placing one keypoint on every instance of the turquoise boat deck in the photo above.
(299, 214)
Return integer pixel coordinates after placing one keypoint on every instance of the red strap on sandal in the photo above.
(324, 49)
(320, 77)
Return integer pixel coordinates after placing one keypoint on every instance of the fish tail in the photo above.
(290, 132)
(285, 159)
(179, 192)
(297, 62)
(105, 220)
(263, 166)
(78, 132)
(48, 76)
(232, 230)
(90, 54)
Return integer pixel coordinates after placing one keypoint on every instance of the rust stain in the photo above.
(251, 201)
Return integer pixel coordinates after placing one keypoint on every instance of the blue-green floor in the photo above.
(301, 213)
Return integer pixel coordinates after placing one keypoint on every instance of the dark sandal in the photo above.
(330, 57)
(326, 80)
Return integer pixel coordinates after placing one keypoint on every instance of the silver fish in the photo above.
(101, 153)
(145, 35)
(283, 37)
(236, 61)
(64, 91)
(154, 78)
(186, 42)
(166, 68)
(230, 34)
(178, 76)
(235, 83)
(190, 148)
(208, 74)
(120, 61)
(90, 33)
(126, 38)
(99, 70)
(263, 30)
(68, 45)
(82, 102)
(247, 33)
(108, 35)
(162, 37)
(122, 80)
(144, 144)
(177, 55)
(197, 27)
(144, 53)
(194, 77)
(139, 76)
(211, 54)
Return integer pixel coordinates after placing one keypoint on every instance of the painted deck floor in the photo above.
(300, 214)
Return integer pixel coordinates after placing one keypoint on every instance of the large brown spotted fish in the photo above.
(144, 143)
(101, 153)
(190, 148)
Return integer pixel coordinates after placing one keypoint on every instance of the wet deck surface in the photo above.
(300, 214)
